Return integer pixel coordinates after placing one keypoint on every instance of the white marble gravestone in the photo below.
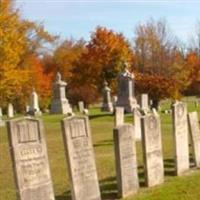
(34, 104)
(144, 102)
(180, 133)
(80, 158)
(2, 123)
(10, 111)
(30, 160)
(59, 104)
(137, 123)
(195, 136)
(119, 116)
(125, 96)
(152, 149)
(107, 103)
(126, 160)
(81, 106)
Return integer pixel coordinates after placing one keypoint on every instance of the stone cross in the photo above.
(10, 110)
(34, 104)
(180, 133)
(137, 123)
(125, 96)
(107, 103)
(30, 160)
(195, 136)
(59, 104)
(126, 160)
(119, 116)
(152, 149)
(80, 158)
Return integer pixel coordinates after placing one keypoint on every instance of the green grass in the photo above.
(181, 188)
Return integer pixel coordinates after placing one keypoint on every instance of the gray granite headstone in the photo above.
(81, 106)
(107, 103)
(137, 123)
(126, 160)
(152, 149)
(119, 116)
(180, 133)
(80, 158)
(59, 104)
(30, 159)
(10, 111)
(125, 96)
(195, 136)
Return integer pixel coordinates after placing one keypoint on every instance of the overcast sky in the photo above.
(79, 18)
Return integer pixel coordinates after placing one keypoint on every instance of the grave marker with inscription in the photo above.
(80, 158)
(126, 160)
(152, 150)
(119, 116)
(180, 133)
(195, 136)
(30, 159)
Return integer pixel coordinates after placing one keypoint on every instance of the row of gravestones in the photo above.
(31, 166)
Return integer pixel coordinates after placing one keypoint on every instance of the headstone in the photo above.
(119, 116)
(137, 123)
(59, 104)
(34, 104)
(81, 106)
(125, 96)
(144, 102)
(30, 160)
(126, 160)
(180, 133)
(152, 150)
(10, 110)
(195, 136)
(86, 111)
(107, 103)
(80, 158)
(2, 123)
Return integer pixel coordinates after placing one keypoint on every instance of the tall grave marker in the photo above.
(80, 158)
(195, 136)
(10, 111)
(34, 104)
(125, 159)
(30, 161)
(137, 123)
(152, 149)
(180, 133)
(119, 116)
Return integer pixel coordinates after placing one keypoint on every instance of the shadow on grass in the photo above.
(64, 196)
(104, 143)
(169, 165)
(100, 115)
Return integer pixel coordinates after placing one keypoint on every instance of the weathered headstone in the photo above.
(107, 103)
(125, 96)
(195, 136)
(126, 160)
(10, 111)
(144, 102)
(30, 160)
(119, 116)
(137, 123)
(34, 104)
(2, 123)
(59, 104)
(180, 133)
(152, 149)
(80, 158)
(81, 106)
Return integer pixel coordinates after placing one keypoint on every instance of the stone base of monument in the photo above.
(60, 107)
(107, 107)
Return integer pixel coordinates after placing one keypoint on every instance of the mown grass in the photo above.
(181, 188)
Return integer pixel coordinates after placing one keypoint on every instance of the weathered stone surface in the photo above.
(180, 133)
(125, 96)
(195, 136)
(81, 106)
(137, 123)
(144, 102)
(10, 111)
(59, 104)
(126, 160)
(2, 123)
(152, 149)
(34, 104)
(30, 160)
(107, 103)
(80, 158)
(119, 116)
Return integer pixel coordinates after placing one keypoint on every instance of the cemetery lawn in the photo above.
(175, 188)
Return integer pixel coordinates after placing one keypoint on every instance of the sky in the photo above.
(78, 18)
